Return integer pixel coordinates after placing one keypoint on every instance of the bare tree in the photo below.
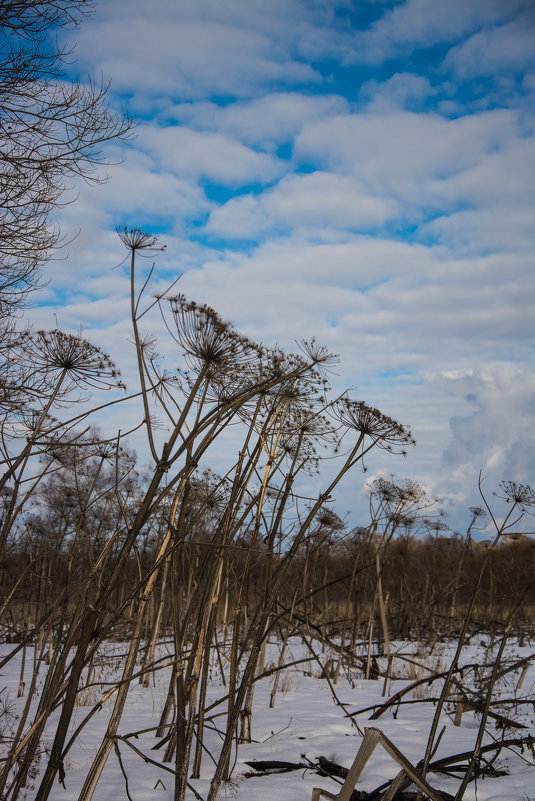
(51, 130)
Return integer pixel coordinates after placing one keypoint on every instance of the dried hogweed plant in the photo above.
(71, 358)
(201, 525)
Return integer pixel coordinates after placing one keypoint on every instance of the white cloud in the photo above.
(317, 199)
(321, 198)
(504, 229)
(500, 177)
(473, 175)
(137, 184)
(399, 91)
(498, 436)
(193, 49)
(424, 23)
(265, 121)
(399, 150)
(240, 218)
(208, 155)
(495, 50)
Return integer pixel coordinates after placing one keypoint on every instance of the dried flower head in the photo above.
(399, 503)
(404, 522)
(383, 489)
(477, 511)
(303, 453)
(435, 527)
(207, 340)
(308, 424)
(370, 422)
(522, 495)
(410, 491)
(319, 355)
(135, 240)
(107, 451)
(83, 363)
(329, 520)
(207, 492)
(31, 421)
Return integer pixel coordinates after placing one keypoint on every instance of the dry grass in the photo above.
(416, 671)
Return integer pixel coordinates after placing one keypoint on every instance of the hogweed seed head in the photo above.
(371, 422)
(209, 341)
(520, 494)
(135, 240)
(85, 364)
(319, 355)
(329, 520)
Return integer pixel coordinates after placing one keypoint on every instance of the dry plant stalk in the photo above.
(194, 531)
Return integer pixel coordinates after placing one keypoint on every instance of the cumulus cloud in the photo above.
(497, 436)
(495, 50)
(303, 201)
(424, 23)
(466, 182)
(400, 91)
(404, 148)
(208, 155)
(264, 122)
(484, 230)
(194, 49)
(500, 177)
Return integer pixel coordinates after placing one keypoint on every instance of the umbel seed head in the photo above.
(135, 239)
(85, 364)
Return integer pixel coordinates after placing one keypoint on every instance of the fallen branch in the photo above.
(449, 765)
(429, 680)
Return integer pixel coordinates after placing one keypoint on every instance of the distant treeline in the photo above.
(427, 583)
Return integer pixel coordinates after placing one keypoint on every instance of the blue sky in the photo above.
(362, 172)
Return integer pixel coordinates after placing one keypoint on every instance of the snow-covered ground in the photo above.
(306, 722)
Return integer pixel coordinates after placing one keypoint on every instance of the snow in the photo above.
(307, 721)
